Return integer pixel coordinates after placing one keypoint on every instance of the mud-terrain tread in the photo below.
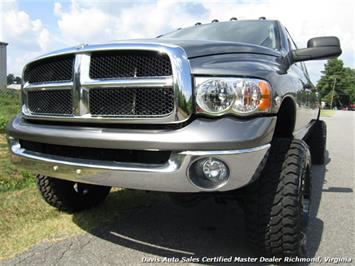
(61, 194)
(317, 142)
(274, 217)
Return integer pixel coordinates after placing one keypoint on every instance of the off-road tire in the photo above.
(70, 196)
(317, 141)
(277, 203)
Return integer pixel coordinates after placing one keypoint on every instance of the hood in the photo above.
(199, 48)
(193, 48)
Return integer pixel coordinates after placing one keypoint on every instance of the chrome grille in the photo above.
(138, 83)
(50, 70)
(131, 102)
(128, 64)
(57, 102)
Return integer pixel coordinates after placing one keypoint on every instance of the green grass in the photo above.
(11, 177)
(327, 113)
(9, 106)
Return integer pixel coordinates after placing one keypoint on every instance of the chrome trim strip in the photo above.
(226, 152)
(134, 82)
(171, 176)
(84, 61)
(45, 86)
(103, 119)
(76, 85)
(181, 82)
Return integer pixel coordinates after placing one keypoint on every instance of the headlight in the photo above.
(243, 96)
(215, 96)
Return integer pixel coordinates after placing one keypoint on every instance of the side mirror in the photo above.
(318, 48)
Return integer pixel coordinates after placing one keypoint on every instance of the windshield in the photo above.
(255, 32)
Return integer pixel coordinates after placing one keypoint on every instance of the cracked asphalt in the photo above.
(159, 228)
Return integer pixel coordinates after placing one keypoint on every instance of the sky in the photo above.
(35, 27)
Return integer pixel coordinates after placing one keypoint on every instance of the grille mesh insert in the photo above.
(57, 102)
(131, 102)
(128, 64)
(49, 70)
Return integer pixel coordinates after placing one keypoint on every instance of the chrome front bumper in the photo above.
(242, 144)
(171, 176)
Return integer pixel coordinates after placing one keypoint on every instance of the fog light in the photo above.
(209, 173)
(214, 170)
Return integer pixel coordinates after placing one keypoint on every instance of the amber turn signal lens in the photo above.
(265, 91)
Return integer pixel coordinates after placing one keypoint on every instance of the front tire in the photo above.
(317, 142)
(70, 196)
(277, 204)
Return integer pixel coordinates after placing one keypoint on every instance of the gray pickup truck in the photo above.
(224, 109)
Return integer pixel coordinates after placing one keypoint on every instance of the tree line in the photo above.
(337, 84)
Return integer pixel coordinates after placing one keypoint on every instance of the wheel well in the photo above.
(286, 119)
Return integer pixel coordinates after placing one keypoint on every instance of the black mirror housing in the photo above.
(323, 42)
(318, 48)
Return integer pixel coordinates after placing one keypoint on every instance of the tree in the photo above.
(10, 79)
(337, 84)
(350, 83)
(18, 80)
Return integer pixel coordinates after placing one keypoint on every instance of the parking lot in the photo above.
(159, 229)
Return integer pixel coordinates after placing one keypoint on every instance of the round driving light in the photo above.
(215, 96)
(214, 170)
(209, 173)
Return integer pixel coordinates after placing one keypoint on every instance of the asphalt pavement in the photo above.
(160, 229)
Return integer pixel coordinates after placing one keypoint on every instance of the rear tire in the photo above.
(70, 196)
(317, 142)
(277, 204)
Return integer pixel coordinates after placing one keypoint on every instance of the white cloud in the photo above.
(82, 24)
(18, 28)
(36, 24)
(95, 22)
(16, 22)
(27, 37)
(57, 9)
(44, 39)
